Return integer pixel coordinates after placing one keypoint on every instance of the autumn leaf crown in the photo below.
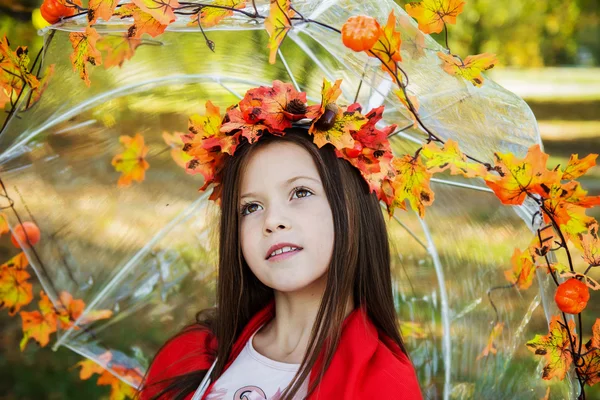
(272, 110)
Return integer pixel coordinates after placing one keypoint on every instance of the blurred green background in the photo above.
(549, 53)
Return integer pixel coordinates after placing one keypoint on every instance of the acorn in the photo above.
(327, 120)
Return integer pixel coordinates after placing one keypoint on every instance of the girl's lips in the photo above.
(283, 256)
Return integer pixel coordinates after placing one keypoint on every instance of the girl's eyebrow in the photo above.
(285, 183)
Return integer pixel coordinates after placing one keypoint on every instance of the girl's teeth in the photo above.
(283, 250)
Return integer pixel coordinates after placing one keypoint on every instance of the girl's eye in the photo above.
(248, 209)
(302, 192)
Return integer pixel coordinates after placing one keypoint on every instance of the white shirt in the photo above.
(253, 376)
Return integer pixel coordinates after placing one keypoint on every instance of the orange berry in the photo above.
(33, 233)
(572, 296)
(360, 33)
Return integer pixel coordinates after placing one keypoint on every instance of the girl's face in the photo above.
(282, 205)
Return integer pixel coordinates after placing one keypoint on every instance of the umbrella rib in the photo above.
(289, 71)
(445, 307)
(461, 185)
(304, 47)
(130, 264)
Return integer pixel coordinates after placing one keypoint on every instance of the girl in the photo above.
(304, 298)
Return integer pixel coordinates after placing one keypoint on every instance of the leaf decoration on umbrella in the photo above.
(590, 371)
(432, 15)
(576, 167)
(589, 242)
(116, 49)
(40, 324)
(523, 270)
(555, 347)
(119, 389)
(211, 16)
(70, 310)
(15, 288)
(143, 22)
(174, 141)
(131, 163)
(490, 348)
(278, 24)
(14, 72)
(518, 177)
(450, 157)
(387, 47)
(84, 52)
(469, 69)
(412, 183)
(160, 10)
(101, 9)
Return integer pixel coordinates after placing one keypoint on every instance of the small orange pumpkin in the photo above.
(33, 233)
(572, 296)
(360, 32)
(54, 10)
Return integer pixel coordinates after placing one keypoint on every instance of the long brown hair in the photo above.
(360, 266)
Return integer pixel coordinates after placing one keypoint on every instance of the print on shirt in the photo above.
(245, 393)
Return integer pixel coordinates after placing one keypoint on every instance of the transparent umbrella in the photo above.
(147, 251)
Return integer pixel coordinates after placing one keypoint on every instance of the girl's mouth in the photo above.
(283, 256)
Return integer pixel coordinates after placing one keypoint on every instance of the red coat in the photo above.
(366, 364)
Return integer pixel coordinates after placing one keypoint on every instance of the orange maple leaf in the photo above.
(387, 47)
(90, 367)
(40, 324)
(85, 52)
(15, 288)
(162, 10)
(71, 309)
(143, 22)
(174, 141)
(490, 347)
(119, 389)
(131, 163)
(518, 177)
(450, 157)
(576, 167)
(556, 348)
(278, 24)
(411, 183)
(116, 49)
(14, 72)
(432, 15)
(523, 269)
(101, 8)
(589, 242)
(211, 16)
(329, 94)
(469, 69)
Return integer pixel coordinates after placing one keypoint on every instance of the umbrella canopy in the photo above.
(146, 251)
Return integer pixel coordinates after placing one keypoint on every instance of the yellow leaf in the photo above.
(143, 22)
(387, 47)
(211, 16)
(411, 183)
(577, 167)
(89, 367)
(15, 288)
(162, 10)
(116, 50)
(469, 69)
(523, 269)
(432, 14)
(340, 134)
(278, 24)
(450, 157)
(84, 52)
(131, 163)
